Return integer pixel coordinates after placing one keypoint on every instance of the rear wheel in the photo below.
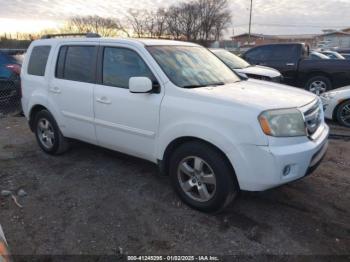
(318, 85)
(343, 113)
(202, 177)
(48, 135)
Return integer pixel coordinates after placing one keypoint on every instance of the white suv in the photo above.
(175, 104)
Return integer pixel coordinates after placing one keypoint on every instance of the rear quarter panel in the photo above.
(34, 88)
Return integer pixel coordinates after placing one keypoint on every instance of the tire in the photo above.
(188, 181)
(48, 135)
(318, 85)
(343, 113)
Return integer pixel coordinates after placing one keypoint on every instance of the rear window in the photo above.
(77, 63)
(38, 60)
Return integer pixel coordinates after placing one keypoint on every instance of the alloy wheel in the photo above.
(318, 87)
(197, 179)
(46, 133)
(345, 114)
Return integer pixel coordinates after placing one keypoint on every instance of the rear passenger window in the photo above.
(77, 63)
(38, 60)
(119, 64)
(284, 52)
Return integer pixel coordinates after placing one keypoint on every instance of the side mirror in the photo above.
(140, 85)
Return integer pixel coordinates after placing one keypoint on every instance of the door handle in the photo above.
(55, 90)
(290, 64)
(103, 100)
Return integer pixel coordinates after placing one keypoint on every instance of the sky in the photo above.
(269, 16)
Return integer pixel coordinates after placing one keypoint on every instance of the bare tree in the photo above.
(198, 19)
(214, 16)
(160, 21)
(137, 20)
(95, 24)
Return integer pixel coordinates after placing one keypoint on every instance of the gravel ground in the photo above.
(95, 201)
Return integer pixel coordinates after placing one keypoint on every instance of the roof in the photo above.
(336, 32)
(131, 41)
(300, 36)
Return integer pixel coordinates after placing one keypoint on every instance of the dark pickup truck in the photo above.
(292, 60)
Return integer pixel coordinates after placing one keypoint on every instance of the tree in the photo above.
(95, 24)
(137, 20)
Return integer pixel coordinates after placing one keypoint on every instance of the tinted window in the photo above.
(284, 52)
(119, 64)
(79, 63)
(259, 53)
(38, 60)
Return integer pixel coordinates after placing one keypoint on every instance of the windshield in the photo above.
(192, 66)
(231, 60)
(334, 55)
(317, 55)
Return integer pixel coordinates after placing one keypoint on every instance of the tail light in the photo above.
(14, 68)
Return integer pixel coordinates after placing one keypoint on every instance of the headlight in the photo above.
(329, 95)
(282, 123)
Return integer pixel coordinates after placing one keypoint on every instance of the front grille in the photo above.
(313, 117)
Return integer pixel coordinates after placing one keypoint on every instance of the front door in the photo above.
(126, 122)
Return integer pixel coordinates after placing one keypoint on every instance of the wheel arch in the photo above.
(334, 114)
(316, 73)
(173, 145)
(33, 111)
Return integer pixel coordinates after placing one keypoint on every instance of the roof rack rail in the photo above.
(72, 34)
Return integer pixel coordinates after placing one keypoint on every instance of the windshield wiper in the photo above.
(211, 84)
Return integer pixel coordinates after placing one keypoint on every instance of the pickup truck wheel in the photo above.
(343, 113)
(48, 135)
(318, 85)
(202, 177)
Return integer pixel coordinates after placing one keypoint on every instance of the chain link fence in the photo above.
(10, 97)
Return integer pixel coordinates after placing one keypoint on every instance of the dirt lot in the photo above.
(95, 201)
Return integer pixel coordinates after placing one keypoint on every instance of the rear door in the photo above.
(71, 89)
(284, 58)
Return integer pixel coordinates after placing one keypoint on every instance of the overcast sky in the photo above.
(269, 16)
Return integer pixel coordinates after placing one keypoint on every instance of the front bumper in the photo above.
(262, 167)
(328, 106)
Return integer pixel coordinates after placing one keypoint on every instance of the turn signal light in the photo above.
(265, 125)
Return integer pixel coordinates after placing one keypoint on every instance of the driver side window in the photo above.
(119, 64)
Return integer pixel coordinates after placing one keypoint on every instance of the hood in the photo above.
(262, 95)
(260, 70)
(342, 89)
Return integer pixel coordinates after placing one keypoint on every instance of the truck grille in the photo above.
(313, 117)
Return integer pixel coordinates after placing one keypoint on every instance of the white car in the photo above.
(244, 69)
(177, 105)
(336, 104)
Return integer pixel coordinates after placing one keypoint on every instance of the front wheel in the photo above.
(318, 85)
(343, 113)
(202, 177)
